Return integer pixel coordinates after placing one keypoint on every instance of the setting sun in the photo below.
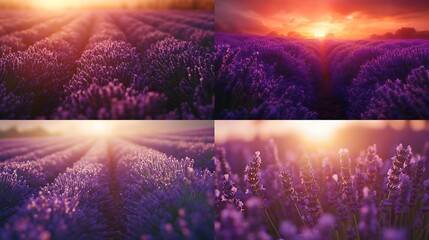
(320, 34)
(316, 132)
(99, 128)
(52, 4)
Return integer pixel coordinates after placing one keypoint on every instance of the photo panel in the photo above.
(322, 180)
(106, 59)
(106, 180)
(288, 59)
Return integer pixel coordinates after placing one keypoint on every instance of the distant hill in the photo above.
(403, 33)
(15, 133)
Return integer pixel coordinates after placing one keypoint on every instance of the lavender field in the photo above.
(286, 188)
(265, 77)
(133, 187)
(106, 64)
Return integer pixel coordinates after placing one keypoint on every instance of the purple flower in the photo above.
(400, 164)
(229, 193)
(311, 193)
(418, 169)
(253, 176)
(348, 191)
(373, 165)
(287, 185)
(394, 234)
(368, 225)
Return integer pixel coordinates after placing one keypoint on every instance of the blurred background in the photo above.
(105, 4)
(242, 138)
(37, 128)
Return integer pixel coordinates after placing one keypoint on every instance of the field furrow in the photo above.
(37, 75)
(33, 152)
(22, 40)
(201, 152)
(157, 189)
(22, 142)
(187, 20)
(81, 191)
(105, 186)
(179, 30)
(18, 180)
(268, 77)
(16, 23)
(109, 65)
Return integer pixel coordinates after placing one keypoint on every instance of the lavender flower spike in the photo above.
(253, 176)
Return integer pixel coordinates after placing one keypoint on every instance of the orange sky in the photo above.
(316, 18)
(87, 127)
(71, 4)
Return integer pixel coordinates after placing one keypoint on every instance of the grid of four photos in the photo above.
(214, 119)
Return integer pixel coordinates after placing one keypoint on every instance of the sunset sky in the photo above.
(314, 18)
(317, 131)
(88, 127)
(77, 4)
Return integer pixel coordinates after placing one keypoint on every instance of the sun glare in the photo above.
(320, 34)
(317, 132)
(97, 128)
(52, 4)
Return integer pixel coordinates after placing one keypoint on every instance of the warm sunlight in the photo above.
(53, 4)
(320, 34)
(317, 131)
(352, 19)
(99, 128)
(60, 5)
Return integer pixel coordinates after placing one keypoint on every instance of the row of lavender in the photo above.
(381, 79)
(101, 189)
(265, 77)
(285, 78)
(109, 65)
(333, 198)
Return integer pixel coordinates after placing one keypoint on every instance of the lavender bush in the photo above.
(249, 90)
(33, 174)
(391, 66)
(181, 148)
(171, 204)
(61, 210)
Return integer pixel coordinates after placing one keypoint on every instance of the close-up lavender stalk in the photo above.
(353, 196)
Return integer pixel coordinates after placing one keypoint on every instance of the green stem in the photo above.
(396, 220)
(337, 235)
(343, 228)
(299, 213)
(283, 210)
(272, 223)
(423, 231)
(321, 208)
(356, 225)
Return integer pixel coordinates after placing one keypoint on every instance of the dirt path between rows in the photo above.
(328, 106)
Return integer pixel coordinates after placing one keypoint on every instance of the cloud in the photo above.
(231, 19)
(379, 7)
(345, 7)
